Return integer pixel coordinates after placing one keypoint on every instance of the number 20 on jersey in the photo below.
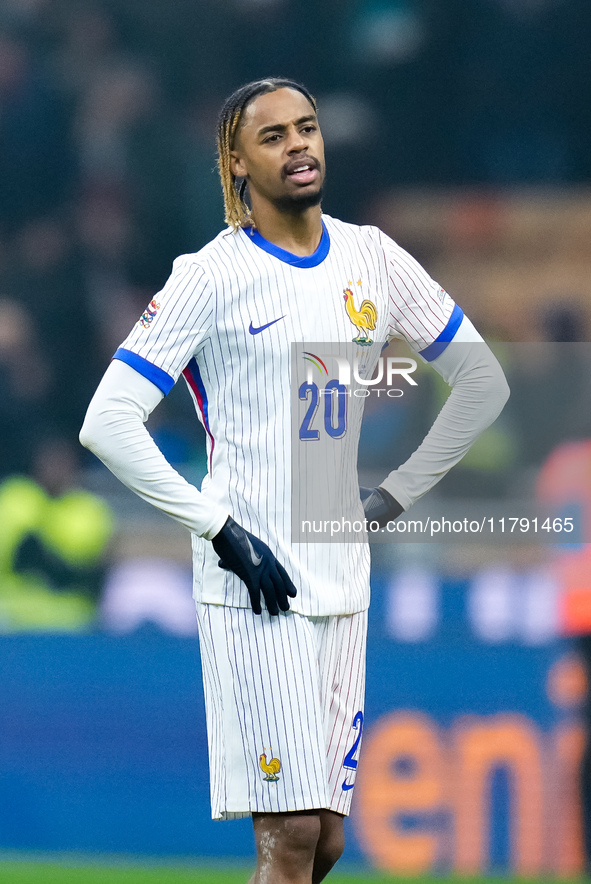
(334, 395)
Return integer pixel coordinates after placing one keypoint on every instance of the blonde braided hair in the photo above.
(237, 212)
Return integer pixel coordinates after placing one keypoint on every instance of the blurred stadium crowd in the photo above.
(107, 115)
(107, 125)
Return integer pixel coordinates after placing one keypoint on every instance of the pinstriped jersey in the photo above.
(226, 319)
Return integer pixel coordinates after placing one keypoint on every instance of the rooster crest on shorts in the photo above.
(271, 768)
(363, 319)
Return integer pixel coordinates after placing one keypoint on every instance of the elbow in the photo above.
(89, 430)
(84, 436)
(506, 391)
(502, 387)
(498, 389)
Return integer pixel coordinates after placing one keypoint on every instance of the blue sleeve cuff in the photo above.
(158, 376)
(447, 335)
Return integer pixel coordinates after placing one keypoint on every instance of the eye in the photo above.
(274, 137)
(310, 128)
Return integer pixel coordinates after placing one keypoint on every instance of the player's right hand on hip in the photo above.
(252, 560)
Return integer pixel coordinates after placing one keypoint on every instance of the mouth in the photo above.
(302, 171)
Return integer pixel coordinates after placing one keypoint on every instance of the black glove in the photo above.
(379, 505)
(252, 560)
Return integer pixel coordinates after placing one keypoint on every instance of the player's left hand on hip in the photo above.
(379, 506)
(252, 560)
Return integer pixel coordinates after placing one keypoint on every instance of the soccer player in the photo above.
(282, 625)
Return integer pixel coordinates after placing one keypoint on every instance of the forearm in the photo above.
(114, 431)
(477, 398)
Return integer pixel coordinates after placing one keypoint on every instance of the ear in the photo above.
(237, 166)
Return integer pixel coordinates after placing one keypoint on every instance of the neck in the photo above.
(298, 233)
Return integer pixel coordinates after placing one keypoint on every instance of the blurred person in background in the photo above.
(37, 158)
(44, 274)
(552, 378)
(25, 382)
(564, 489)
(107, 234)
(202, 202)
(560, 376)
(129, 145)
(84, 40)
(53, 544)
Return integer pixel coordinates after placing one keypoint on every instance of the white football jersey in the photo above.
(226, 319)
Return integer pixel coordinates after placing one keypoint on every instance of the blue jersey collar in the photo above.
(312, 260)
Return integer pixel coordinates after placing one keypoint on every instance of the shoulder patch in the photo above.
(149, 314)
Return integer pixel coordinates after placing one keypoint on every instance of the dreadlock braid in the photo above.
(237, 213)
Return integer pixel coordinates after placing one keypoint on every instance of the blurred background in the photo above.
(463, 130)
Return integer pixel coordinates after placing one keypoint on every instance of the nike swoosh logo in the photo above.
(346, 786)
(256, 560)
(256, 331)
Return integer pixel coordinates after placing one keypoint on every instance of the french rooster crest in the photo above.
(271, 768)
(363, 319)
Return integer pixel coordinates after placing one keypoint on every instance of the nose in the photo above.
(296, 142)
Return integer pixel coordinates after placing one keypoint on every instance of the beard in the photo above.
(296, 203)
(288, 204)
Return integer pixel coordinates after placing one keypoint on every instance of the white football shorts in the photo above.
(284, 705)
